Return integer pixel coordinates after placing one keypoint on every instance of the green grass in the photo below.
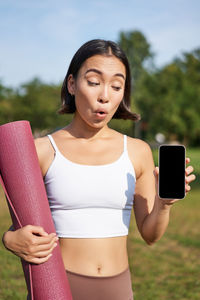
(167, 270)
(12, 282)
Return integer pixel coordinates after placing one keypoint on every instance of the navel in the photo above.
(99, 269)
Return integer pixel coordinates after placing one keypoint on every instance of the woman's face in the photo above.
(98, 89)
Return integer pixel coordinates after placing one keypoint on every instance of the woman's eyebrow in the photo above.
(100, 73)
(93, 70)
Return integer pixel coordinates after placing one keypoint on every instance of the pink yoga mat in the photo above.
(25, 192)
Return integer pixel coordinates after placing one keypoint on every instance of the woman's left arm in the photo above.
(152, 212)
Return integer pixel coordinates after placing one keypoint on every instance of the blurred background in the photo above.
(161, 39)
(162, 42)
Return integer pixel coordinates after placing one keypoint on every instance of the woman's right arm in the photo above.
(31, 243)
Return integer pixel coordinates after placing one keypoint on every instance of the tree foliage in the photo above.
(34, 101)
(169, 100)
(138, 51)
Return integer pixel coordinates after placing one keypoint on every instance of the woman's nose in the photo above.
(103, 96)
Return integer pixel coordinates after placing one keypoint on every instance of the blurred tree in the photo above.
(138, 51)
(140, 56)
(38, 103)
(6, 104)
(170, 100)
(190, 111)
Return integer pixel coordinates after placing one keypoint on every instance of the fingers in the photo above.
(190, 178)
(156, 171)
(37, 252)
(37, 235)
(187, 160)
(37, 230)
(42, 254)
(50, 239)
(41, 244)
(187, 188)
(37, 260)
(31, 243)
(36, 246)
(189, 170)
(41, 260)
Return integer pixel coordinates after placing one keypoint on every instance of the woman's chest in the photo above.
(70, 185)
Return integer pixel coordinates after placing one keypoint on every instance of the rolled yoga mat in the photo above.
(25, 192)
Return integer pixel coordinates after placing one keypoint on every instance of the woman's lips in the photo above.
(100, 114)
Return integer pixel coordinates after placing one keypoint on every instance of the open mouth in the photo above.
(100, 114)
(101, 111)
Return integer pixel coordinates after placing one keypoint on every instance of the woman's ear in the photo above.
(71, 84)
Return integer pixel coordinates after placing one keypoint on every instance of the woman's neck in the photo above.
(80, 129)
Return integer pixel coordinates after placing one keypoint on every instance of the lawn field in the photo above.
(167, 270)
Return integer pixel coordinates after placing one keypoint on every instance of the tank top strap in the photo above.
(53, 143)
(125, 142)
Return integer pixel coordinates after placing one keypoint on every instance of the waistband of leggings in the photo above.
(98, 277)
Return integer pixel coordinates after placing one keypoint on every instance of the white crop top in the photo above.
(90, 201)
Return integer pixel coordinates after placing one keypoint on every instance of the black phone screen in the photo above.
(172, 171)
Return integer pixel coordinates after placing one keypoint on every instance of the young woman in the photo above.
(93, 176)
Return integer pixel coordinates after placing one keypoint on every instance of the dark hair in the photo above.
(91, 48)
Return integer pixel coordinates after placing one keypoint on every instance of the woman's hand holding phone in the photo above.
(189, 177)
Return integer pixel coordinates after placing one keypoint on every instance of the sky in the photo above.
(38, 38)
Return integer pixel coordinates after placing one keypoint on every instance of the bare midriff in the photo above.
(95, 257)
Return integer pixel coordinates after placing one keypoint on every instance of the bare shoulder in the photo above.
(139, 145)
(42, 145)
(140, 154)
(45, 153)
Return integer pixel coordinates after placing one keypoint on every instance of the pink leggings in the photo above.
(117, 287)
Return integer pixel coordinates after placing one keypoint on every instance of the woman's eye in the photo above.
(93, 83)
(116, 88)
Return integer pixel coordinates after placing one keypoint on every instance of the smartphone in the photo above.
(171, 184)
